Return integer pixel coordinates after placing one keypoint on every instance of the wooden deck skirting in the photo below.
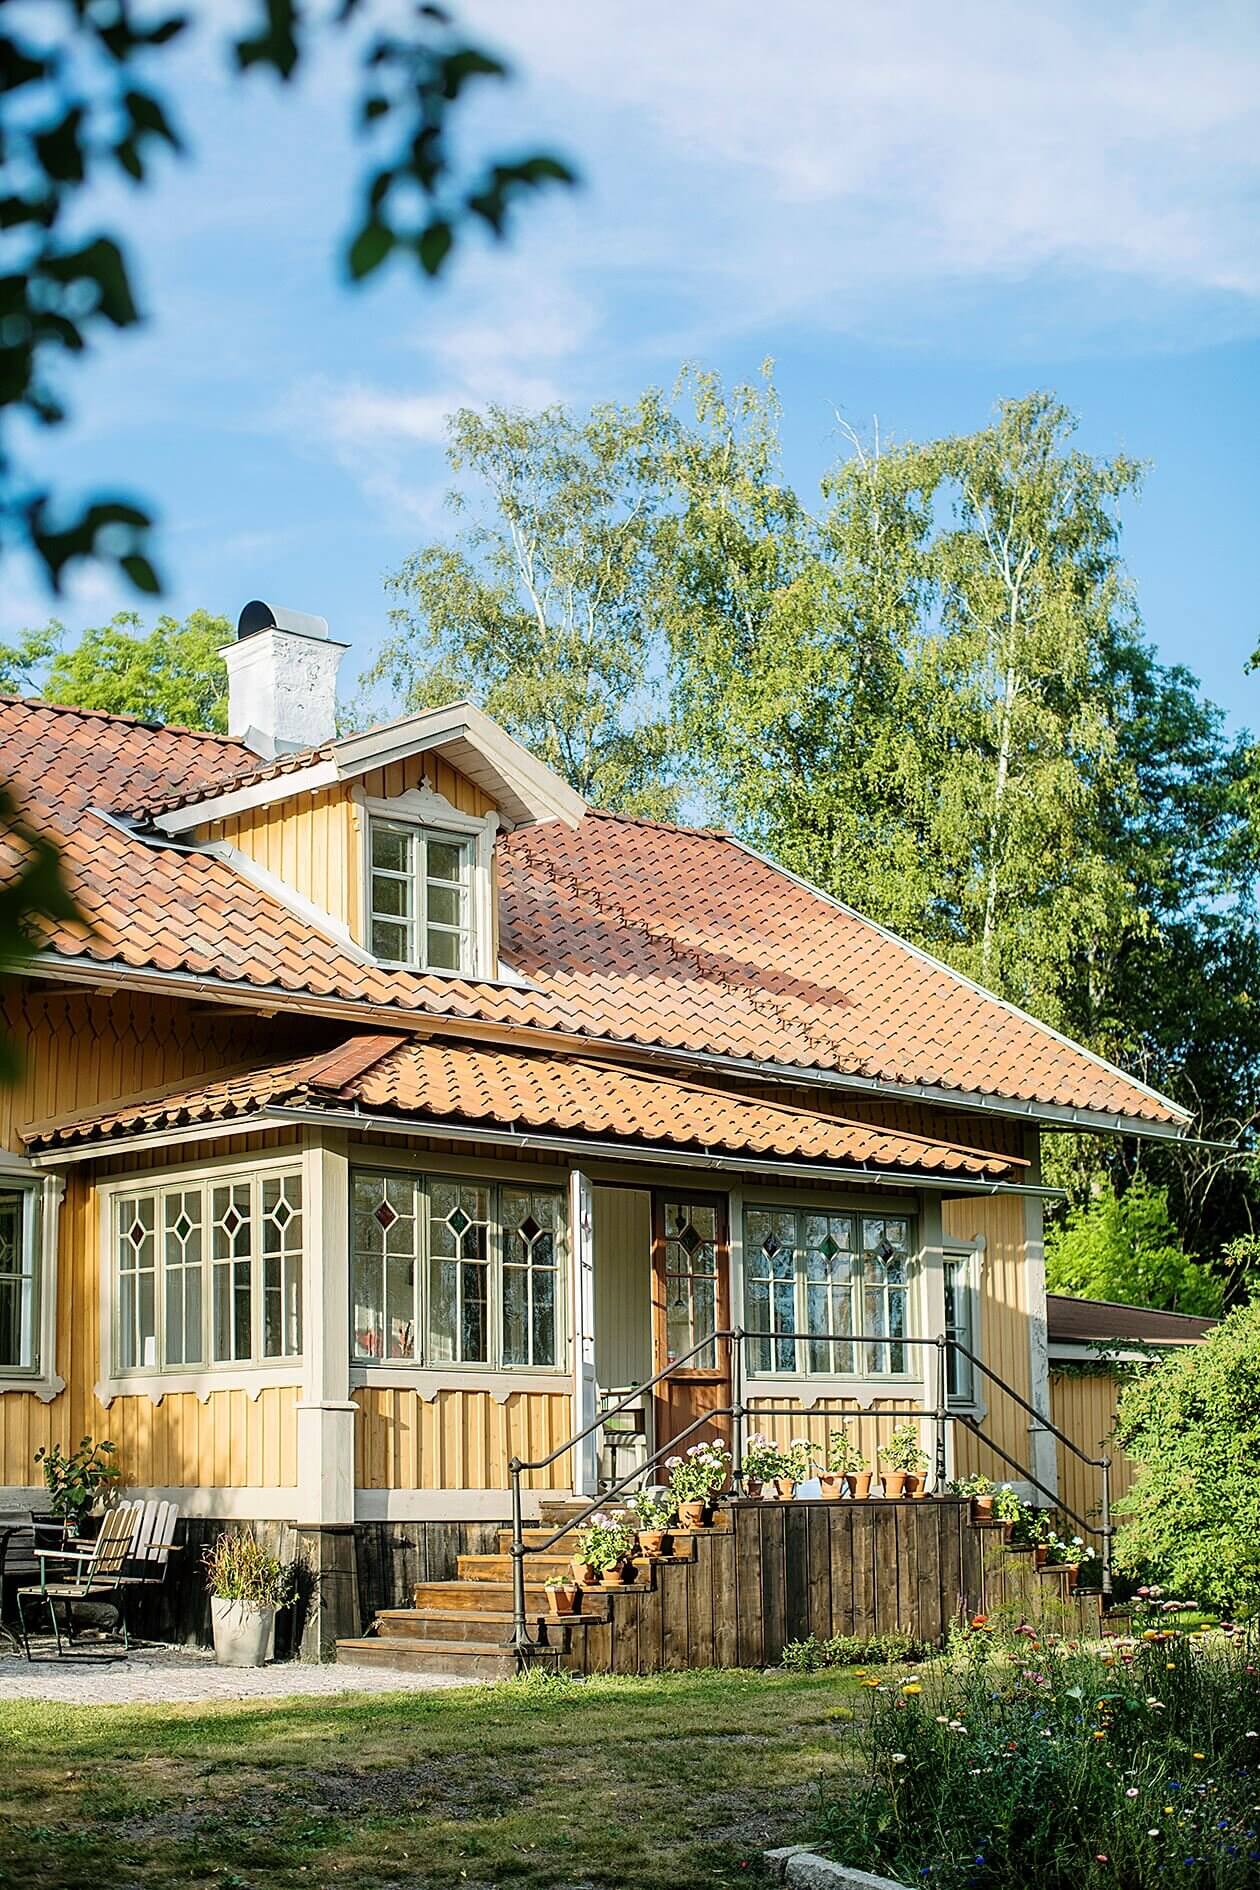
(736, 1594)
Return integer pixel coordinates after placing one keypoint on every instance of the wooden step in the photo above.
(683, 1543)
(472, 1661)
(490, 1629)
(496, 1598)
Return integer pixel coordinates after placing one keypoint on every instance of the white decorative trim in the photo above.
(155, 1386)
(427, 1382)
(278, 787)
(444, 1505)
(808, 1393)
(43, 1381)
(244, 1504)
(423, 808)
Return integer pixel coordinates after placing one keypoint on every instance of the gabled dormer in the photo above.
(385, 838)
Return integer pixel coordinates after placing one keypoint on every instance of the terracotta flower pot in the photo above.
(691, 1514)
(830, 1485)
(916, 1483)
(1040, 1554)
(563, 1600)
(982, 1509)
(613, 1577)
(858, 1483)
(894, 1482)
(583, 1572)
(651, 1541)
(1008, 1532)
(752, 1489)
(1073, 1570)
(785, 1488)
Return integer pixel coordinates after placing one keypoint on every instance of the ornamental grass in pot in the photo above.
(696, 1478)
(907, 1460)
(843, 1467)
(248, 1587)
(653, 1512)
(604, 1545)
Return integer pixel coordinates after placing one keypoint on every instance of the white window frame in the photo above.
(421, 1364)
(159, 1380)
(431, 814)
(968, 1256)
(837, 1382)
(39, 1232)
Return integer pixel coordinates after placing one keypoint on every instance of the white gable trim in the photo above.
(523, 788)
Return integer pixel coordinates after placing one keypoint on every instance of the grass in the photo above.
(669, 1783)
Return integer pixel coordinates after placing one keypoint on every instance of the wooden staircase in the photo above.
(463, 1626)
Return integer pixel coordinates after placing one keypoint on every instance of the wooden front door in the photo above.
(690, 1302)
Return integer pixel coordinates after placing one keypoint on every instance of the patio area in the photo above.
(154, 1676)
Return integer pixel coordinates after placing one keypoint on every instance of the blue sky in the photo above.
(914, 209)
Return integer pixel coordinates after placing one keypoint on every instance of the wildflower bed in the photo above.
(1052, 1767)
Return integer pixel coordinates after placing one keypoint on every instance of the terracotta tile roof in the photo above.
(445, 1082)
(1104, 1322)
(633, 931)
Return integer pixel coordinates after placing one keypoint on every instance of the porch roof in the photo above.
(431, 1085)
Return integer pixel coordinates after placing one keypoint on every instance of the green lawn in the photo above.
(659, 1784)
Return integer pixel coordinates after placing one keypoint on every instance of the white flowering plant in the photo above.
(761, 1458)
(842, 1456)
(605, 1540)
(652, 1509)
(903, 1450)
(700, 1473)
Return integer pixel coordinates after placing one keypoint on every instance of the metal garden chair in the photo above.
(99, 1579)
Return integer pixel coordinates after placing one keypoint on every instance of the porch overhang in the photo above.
(496, 1095)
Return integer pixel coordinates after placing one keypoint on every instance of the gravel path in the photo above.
(157, 1676)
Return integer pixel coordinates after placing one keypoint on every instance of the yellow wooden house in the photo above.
(391, 1111)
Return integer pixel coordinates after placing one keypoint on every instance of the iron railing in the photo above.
(941, 1414)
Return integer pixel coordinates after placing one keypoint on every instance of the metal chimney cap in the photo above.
(258, 616)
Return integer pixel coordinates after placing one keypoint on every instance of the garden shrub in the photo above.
(850, 1650)
(1062, 1770)
(1192, 1425)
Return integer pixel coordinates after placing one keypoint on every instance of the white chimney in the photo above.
(282, 680)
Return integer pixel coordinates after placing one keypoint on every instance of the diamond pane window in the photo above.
(421, 897)
(383, 1267)
(459, 1250)
(282, 1266)
(530, 1271)
(136, 1326)
(18, 1296)
(809, 1285)
(183, 1276)
(690, 1281)
(232, 1251)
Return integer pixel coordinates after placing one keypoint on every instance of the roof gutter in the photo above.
(267, 999)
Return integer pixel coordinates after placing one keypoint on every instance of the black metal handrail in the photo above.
(940, 1414)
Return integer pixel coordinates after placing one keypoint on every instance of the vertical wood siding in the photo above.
(1003, 1309)
(1084, 1408)
(459, 1440)
(869, 1430)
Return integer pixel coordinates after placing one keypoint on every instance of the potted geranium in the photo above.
(980, 1489)
(761, 1457)
(563, 1597)
(653, 1512)
(696, 1478)
(248, 1587)
(79, 1483)
(843, 1466)
(605, 1544)
(907, 1460)
(1013, 1515)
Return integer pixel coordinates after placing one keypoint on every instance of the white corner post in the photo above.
(326, 1411)
(925, 1362)
(582, 1323)
(1044, 1455)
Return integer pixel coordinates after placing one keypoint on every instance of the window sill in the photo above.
(427, 1381)
(807, 1390)
(42, 1385)
(155, 1386)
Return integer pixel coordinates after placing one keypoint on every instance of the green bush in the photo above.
(1126, 1247)
(849, 1650)
(1192, 1425)
(1061, 1772)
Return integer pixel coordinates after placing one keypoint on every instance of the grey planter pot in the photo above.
(243, 1634)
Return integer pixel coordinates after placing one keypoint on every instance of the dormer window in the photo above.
(421, 904)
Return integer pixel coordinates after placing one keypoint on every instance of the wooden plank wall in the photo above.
(1083, 1405)
(458, 1439)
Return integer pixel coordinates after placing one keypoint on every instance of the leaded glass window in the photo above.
(454, 1272)
(812, 1279)
(421, 897)
(691, 1281)
(208, 1273)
